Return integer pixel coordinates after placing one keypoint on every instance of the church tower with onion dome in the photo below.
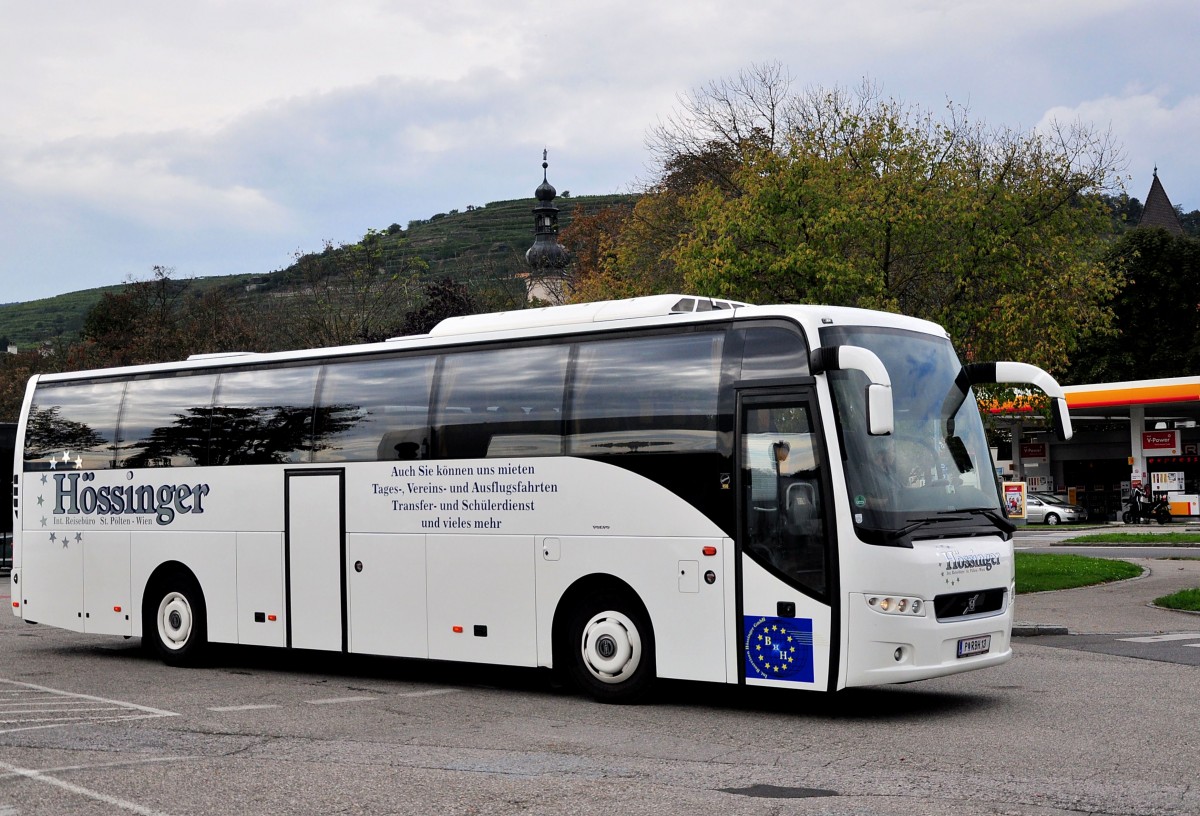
(547, 258)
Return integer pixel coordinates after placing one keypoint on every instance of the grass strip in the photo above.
(1187, 599)
(1146, 539)
(1041, 572)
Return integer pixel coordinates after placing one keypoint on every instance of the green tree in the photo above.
(443, 298)
(1157, 313)
(853, 199)
(161, 319)
(353, 293)
(1190, 222)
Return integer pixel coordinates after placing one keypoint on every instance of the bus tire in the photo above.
(611, 649)
(176, 620)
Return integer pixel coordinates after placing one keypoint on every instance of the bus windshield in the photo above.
(933, 475)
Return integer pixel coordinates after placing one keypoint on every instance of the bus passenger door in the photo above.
(315, 549)
(787, 554)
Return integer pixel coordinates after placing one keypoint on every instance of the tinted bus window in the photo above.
(773, 352)
(263, 417)
(165, 421)
(646, 395)
(375, 410)
(73, 426)
(502, 403)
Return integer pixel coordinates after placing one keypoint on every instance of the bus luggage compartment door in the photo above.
(482, 598)
(386, 589)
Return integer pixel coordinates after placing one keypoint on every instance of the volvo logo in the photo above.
(606, 647)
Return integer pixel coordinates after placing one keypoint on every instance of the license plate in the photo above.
(974, 646)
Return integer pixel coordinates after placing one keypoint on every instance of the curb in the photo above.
(1037, 629)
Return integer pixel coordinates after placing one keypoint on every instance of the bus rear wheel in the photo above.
(175, 621)
(611, 650)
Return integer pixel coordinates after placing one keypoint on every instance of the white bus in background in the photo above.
(662, 487)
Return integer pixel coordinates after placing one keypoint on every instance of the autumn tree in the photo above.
(15, 371)
(600, 243)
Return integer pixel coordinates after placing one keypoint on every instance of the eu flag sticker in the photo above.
(779, 649)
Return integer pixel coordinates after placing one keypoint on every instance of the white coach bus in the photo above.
(676, 487)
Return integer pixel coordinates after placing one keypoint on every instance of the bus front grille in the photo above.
(961, 605)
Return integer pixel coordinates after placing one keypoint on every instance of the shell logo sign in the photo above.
(1161, 443)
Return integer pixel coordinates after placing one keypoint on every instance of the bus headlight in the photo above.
(897, 605)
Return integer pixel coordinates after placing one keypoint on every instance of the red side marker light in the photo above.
(710, 550)
(272, 617)
(116, 609)
(456, 629)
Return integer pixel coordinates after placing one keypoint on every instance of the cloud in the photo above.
(1154, 130)
(311, 167)
(132, 179)
(222, 134)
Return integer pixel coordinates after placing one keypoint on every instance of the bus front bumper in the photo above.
(886, 649)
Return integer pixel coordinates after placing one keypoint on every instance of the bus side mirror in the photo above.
(1025, 374)
(880, 418)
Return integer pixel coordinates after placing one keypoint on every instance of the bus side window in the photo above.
(646, 395)
(505, 402)
(73, 426)
(263, 416)
(165, 421)
(374, 410)
(772, 352)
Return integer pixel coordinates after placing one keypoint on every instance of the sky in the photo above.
(221, 137)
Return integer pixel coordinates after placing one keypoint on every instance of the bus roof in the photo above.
(648, 312)
(580, 313)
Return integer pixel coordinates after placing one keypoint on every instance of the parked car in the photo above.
(1050, 509)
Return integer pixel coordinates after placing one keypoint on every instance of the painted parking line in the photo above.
(325, 701)
(79, 790)
(336, 700)
(1165, 638)
(27, 706)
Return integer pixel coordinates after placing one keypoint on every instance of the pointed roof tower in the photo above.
(1159, 212)
(546, 255)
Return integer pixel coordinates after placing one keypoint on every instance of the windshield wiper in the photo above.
(903, 536)
(1006, 527)
(1000, 521)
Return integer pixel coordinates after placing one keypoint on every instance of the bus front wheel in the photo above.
(176, 621)
(612, 650)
